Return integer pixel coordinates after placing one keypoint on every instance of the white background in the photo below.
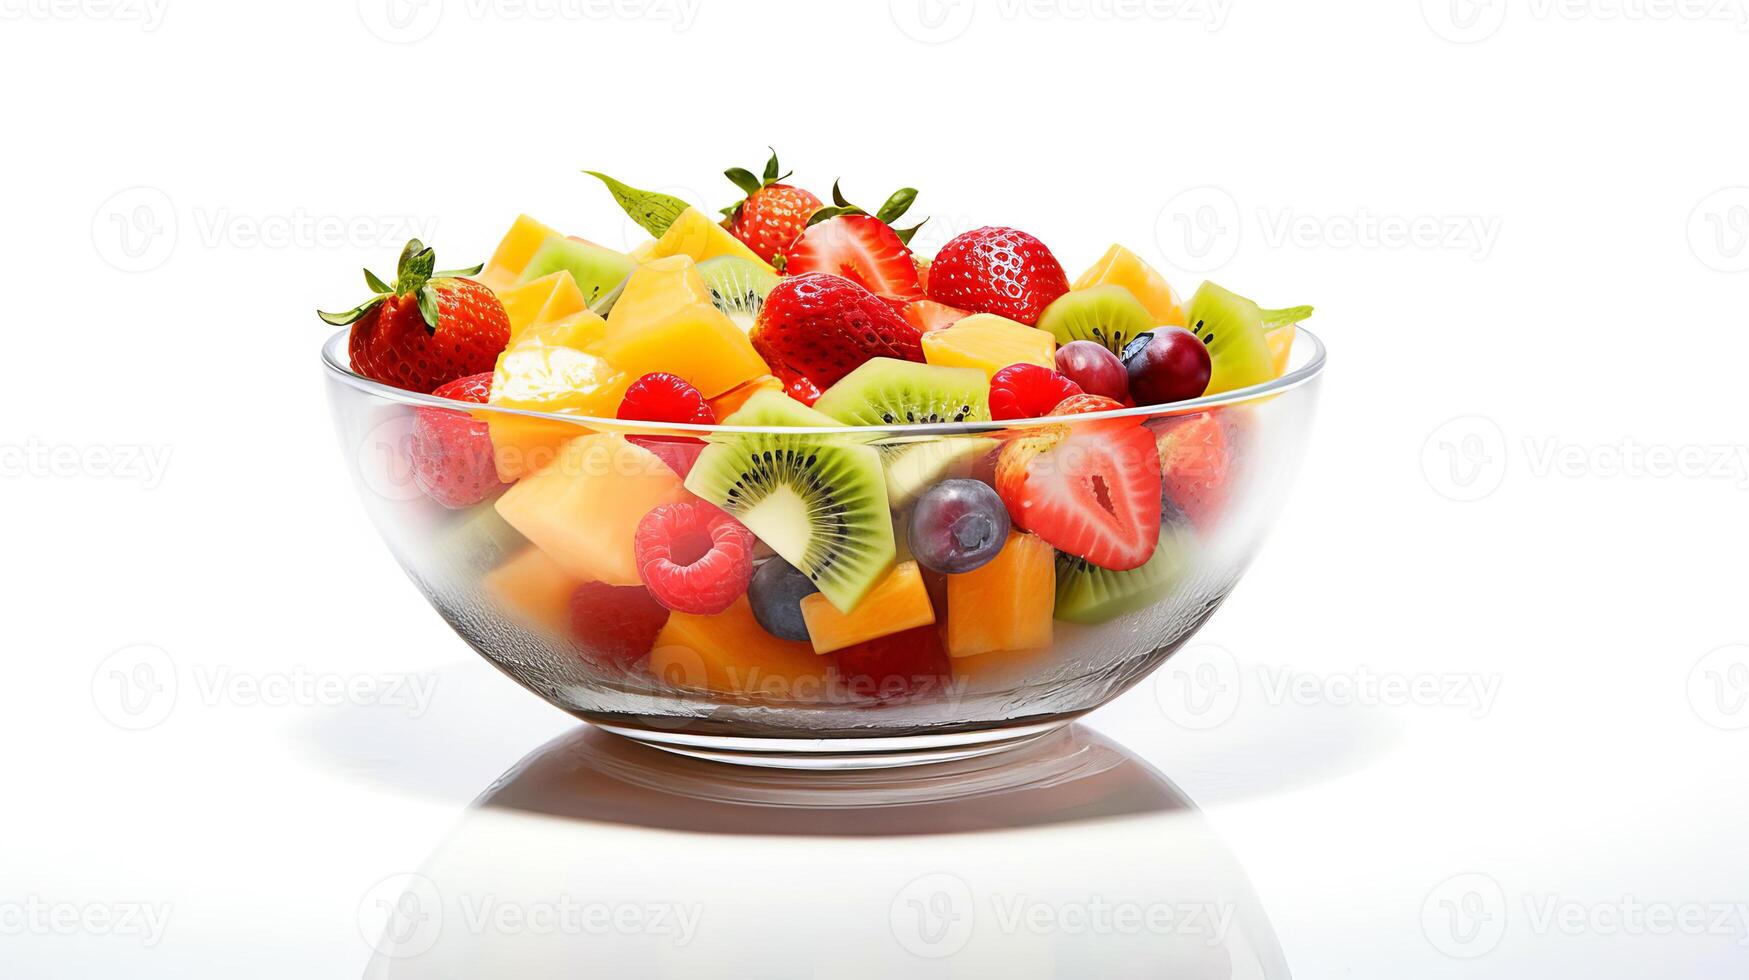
(1525, 228)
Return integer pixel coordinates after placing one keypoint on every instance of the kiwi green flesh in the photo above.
(738, 287)
(597, 270)
(603, 305)
(1090, 595)
(887, 391)
(915, 467)
(1231, 327)
(819, 501)
(1108, 315)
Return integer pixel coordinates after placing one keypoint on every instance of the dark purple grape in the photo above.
(1095, 369)
(958, 526)
(776, 595)
(1167, 365)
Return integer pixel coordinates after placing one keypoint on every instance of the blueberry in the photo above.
(958, 526)
(776, 594)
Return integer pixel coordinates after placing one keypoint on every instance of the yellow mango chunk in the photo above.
(730, 652)
(1121, 267)
(696, 234)
(989, 343)
(558, 380)
(551, 297)
(899, 603)
(518, 246)
(584, 509)
(532, 589)
(658, 290)
(578, 330)
(1281, 347)
(1005, 605)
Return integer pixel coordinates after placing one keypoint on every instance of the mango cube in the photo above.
(525, 236)
(899, 603)
(731, 652)
(1121, 267)
(551, 297)
(665, 321)
(701, 237)
(1005, 605)
(548, 371)
(532, 589)
(989, 343)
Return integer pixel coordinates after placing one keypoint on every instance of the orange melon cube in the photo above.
(584, 509)
(665, 321)
(731, 652)
(543, 300)
(657, 290)
(730, 402)
(520, 243)
(1281, 347)
(1121, 267)
(1005, 605)
(899, 603)
(532, 589)
(557, 379)
(699, 236)
(989, 343)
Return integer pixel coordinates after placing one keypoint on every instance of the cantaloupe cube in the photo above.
(518, 246)
(730, 652)
(1281, 347)
(549, 298)
(584, 509)
(532, 589)
(700, 236)
(730, 402)
(1121, 267)
(899, 603)
(578, 331)
(1005, 605)
(989, 343)
(656, 291)
(557, 379)
(698, 343)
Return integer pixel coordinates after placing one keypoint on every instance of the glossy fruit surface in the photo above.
(1027, 391)
(1167, 365)
(861, 248)
(897, 666)
(989, 343)
(772, 213)
(616, 624)
(1003, 271)
(776, 594)
(821, 327)
(1096, 370)
(693, 557)
(1091, 489)
(452, 451)
(1005, 605)
(900, 602)
(1196, 457)
(958, 526)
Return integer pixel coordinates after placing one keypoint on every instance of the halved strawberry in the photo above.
(1091, 489)
(1195, 464)
(927, 314)
(821, 327)
(861, 248)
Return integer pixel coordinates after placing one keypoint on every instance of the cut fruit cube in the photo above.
(1005, 605)
(533, 590)
(899, 603)
(577, 331)
(656, 291)
(730, 652)
(731, 401)
(557, 379)
(583, 510)
(665, 321)
(524, 238)
(551, 297)
(699, 236)
(1281, 346)
(989, 343)
(596, 270)
(1121, 267)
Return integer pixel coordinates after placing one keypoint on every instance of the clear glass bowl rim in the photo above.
(338, 364)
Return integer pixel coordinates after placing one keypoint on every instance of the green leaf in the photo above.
(838, 197)
(418, 261)
(771, 167)
(905, 234)
(826, 214)
(897, 205)
(376, 285)
(428, 307)
(743, 179)
(653, 212)
(1281, 318)
(460, 273)
(351, 316)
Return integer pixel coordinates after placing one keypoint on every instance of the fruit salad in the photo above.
(776, 453)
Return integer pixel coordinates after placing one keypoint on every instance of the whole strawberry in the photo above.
(772, 214)
(452, 450)
(997, 270)
(819, 327)
(427, 329)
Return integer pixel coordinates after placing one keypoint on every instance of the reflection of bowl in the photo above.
(1065, 858)
(719, 686)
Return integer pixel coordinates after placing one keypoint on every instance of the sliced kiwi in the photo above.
(887, 391)
(603, 305)
(1108, 315)
(819, 501)
(914, 467)
(596, 269)
(1089, 594)
(738, 286)
(1232, 327)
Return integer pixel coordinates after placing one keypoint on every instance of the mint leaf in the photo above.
(653, 212)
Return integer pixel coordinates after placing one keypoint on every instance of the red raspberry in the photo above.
(616, 624)
(663, 397)
(452, 451)
(693, 557)
(1027, 391)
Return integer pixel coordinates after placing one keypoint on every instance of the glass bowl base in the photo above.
(882, 752)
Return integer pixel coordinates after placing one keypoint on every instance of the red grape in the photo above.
(1095, 369)
(1168, 365)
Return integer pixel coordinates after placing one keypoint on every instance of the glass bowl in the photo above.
(720, 687)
